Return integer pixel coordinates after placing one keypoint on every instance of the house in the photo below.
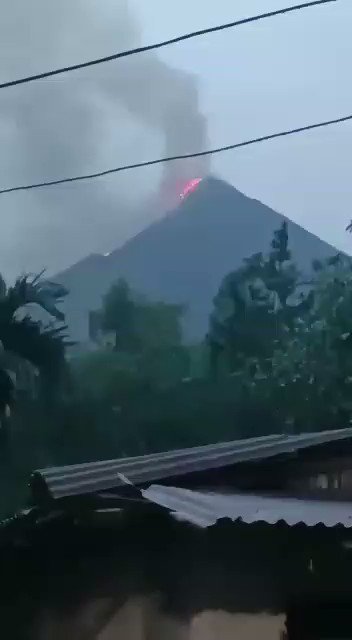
(242, 539)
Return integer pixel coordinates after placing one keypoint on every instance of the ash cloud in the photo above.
(121, 112)
(167, 100)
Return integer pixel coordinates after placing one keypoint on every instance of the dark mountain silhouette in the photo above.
(183, 257)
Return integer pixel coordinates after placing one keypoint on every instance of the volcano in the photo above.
(183, 257)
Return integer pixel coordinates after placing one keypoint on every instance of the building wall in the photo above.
(216, 625)
(128, 622)
(141, 619)
(94, 588)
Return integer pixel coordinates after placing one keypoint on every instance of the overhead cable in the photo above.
(139, 165)
(165, 43)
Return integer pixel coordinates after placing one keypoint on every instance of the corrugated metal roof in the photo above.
(206, 508)
(109, 474)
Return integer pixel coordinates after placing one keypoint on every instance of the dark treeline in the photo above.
(277, 358)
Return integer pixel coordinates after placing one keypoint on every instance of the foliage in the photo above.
(105, 376)
(6, 392)
(165, 365)
(281, 348)
(308, 378)
(148, 337)
(252, 311)
(118, 315)
(25, 292)
(27, 340)
(140, 324)
(158, 325)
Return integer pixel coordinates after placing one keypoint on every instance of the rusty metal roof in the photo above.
(204, 509)
(83, 479)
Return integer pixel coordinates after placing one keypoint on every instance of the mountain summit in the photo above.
(183, 257)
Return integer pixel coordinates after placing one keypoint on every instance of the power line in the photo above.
(165, 43)
(138, 165)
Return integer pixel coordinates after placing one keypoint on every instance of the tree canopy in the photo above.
(256, 306)
(43, 346)
(280, 348)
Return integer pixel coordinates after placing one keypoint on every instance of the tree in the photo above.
(148, 333)
(308, 382)
(279, 273)
(43, 293)
(162, 359)
(118, 315)
(138, 323)
(252, 313)
(106, 376)
(27, 340)
(6, 389)
(158, 324)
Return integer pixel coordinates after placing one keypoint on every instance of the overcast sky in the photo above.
(253, 80)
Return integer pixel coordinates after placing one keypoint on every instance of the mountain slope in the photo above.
(183, 257)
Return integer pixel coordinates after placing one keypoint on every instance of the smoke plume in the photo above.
(108, 115)
(166, 99)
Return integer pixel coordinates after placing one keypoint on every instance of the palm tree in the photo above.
(6, 391)
(27, 340)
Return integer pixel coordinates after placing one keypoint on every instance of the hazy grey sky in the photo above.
(256, 79)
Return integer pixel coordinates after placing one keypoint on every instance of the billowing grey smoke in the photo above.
(168, 100)
(117, 113)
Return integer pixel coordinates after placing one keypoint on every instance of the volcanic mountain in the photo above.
(183, 257)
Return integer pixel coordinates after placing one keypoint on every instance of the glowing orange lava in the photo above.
(189, 187)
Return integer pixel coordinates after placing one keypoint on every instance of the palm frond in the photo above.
(33, 290)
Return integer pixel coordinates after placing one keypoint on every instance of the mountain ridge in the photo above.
(184, 256)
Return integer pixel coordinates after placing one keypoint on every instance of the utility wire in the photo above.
(165, 43)
(138, 165)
